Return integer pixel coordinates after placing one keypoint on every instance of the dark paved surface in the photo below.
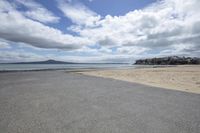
(58, 102)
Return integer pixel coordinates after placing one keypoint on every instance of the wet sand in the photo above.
(182, 78)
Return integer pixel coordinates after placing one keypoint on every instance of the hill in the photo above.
(44, 62)
(56, 62)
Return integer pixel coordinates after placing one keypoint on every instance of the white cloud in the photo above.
(131, 50)
(4, 44)
(78, 13)
(167, 27)
(158, 27)
(21, 55)
(18, 56)
(15, 27)
(96, 59)
(37, 12)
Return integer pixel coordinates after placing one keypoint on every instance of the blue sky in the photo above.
(101, 7)
(98, 30)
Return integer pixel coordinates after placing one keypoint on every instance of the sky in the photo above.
(99, 31)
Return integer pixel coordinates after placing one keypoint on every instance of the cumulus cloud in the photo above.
(166, 27)
(17, 28)
(160, 26)
(36, 11)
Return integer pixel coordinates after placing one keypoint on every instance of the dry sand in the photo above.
(182, 78)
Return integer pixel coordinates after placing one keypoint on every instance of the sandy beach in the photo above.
(67, 102)
(182, 78)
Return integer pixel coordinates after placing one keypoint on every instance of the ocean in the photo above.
(27, 67)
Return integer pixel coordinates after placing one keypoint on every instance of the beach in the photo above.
(61, 101)
(99, 66)
(183, 78)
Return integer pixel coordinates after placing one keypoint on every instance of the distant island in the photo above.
(56, 62)
(171, 60)
(44, 62)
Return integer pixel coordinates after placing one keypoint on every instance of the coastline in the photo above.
(176, 77)
(182, 78)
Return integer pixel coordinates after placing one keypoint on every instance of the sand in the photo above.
(182, 78)
(67, 102)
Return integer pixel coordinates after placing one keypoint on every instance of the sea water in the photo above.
(26, 67)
